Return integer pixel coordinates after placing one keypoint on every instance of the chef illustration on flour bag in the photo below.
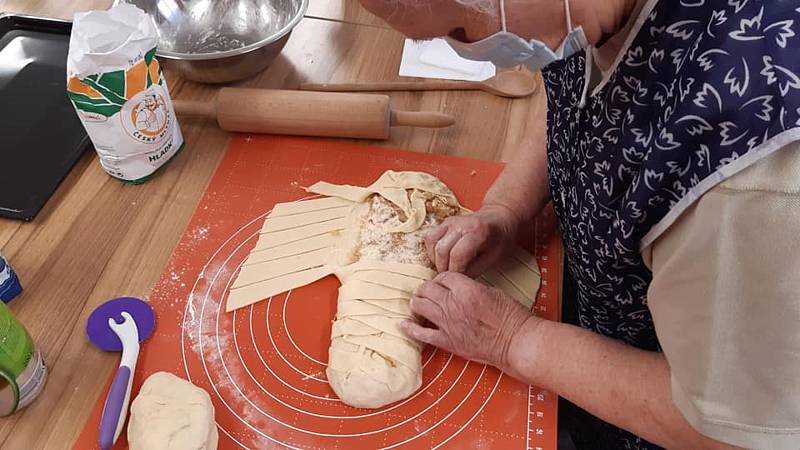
(119, 92)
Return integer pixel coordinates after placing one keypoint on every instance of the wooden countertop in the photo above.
(98, 238)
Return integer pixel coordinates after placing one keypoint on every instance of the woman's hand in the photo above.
(472, 320)
(471, 244)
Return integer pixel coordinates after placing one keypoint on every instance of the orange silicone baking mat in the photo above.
(264, 366)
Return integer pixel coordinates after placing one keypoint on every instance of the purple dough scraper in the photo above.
(119, 324)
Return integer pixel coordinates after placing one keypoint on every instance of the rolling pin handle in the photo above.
(421, 119)
(195, 108)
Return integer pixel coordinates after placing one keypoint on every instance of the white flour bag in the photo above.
(119, 92)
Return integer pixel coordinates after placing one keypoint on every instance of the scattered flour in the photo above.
(209, 334)
(199, 233)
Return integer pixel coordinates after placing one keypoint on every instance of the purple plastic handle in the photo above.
(113, 407)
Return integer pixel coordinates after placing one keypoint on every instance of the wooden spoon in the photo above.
(511, 84)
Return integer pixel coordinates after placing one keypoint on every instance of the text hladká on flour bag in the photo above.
(119, 92)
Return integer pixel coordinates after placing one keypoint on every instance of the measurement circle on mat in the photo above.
(266, 366)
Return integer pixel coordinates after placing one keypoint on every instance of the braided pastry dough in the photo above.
(372, 239)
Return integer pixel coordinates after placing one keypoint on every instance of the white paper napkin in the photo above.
(436, 59)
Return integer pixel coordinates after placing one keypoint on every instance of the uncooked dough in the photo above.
(372, 239)
(171, 413)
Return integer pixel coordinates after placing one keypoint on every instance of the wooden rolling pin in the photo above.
(365, 116)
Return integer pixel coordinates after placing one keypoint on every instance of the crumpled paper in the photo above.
(107, 40)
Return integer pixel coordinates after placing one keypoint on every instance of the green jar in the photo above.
(22, 369)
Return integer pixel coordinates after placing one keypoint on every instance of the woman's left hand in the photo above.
(472, 320)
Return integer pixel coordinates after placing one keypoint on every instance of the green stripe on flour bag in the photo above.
(112, 88)
(112, 84)
(150, 56)
(99, 106)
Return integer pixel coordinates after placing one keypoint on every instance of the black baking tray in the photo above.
(41, 137)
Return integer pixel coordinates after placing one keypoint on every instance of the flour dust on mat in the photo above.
(210, 335)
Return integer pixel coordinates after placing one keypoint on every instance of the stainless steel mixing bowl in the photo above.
(217, 41)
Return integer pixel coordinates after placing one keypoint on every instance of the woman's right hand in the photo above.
(473, 243)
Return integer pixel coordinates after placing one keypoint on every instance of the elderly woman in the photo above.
(672, 159)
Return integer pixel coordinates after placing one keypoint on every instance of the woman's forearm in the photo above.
(523, 187)
(622, 385)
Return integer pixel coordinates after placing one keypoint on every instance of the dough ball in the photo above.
(171, 413)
